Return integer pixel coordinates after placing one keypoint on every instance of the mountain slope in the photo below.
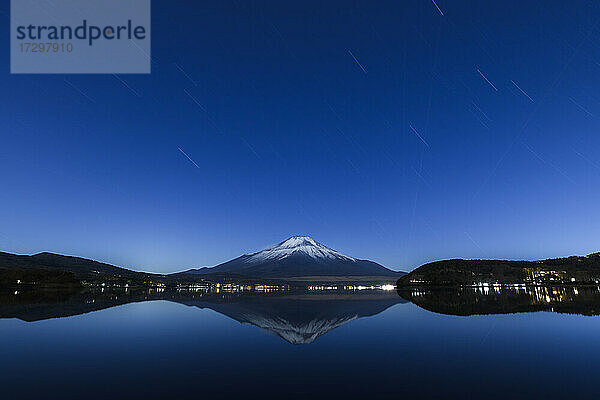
(580, 269)
(57, 261)
(298, 256)
(49, 267)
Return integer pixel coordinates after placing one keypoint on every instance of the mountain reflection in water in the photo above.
(296, 317)
(300, 317)
(177, 347)
(583, 300)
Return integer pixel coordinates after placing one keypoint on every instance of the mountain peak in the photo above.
(296, 241)
(299, 256)
(298, 246)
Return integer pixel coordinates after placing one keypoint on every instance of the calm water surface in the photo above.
(295, 346)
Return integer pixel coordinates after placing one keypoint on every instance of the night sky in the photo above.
(391, 130)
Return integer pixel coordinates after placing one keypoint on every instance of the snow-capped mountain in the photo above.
(298, 256)
(297, 245)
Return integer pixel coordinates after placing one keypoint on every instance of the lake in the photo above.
(414, 344)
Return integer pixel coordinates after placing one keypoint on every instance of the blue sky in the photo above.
(384, 130)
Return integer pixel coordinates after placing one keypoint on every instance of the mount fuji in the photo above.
(296, 257)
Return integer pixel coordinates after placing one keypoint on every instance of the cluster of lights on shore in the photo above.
(538, 293)
(352, 287)
(160, 287)
(267, 288)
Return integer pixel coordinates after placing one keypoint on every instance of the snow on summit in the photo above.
(297, 245)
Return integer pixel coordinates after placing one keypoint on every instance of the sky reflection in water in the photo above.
(161, 348)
